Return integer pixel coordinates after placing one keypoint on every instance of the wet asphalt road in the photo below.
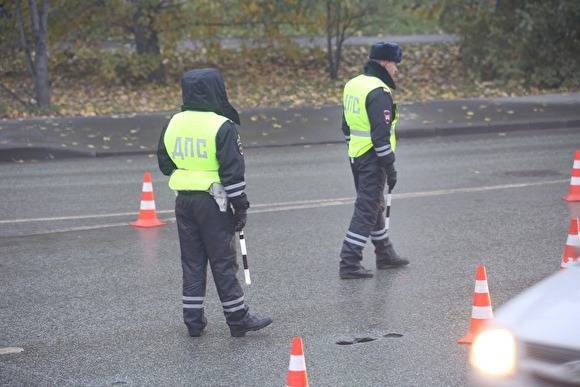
(95, 302)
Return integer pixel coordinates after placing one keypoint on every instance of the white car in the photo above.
(534, 339)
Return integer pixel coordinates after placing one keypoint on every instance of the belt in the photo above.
(192, 193)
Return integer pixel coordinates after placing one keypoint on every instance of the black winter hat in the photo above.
(386, 51)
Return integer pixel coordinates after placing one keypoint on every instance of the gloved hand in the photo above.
(391, 176)
(240, 217)
(240, 205)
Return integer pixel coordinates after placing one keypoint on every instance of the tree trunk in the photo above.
(37, 59)
(147, 40)
(332, 69)
(40, 31)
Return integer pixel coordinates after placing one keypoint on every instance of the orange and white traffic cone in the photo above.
(481, 312)
(574, 191)
(147, 213)
(297, 376)
(572, 248)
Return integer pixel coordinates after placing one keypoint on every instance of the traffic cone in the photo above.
(572, 248)
(297, 376)
(147, 214)
(481, 311)
(574, 191)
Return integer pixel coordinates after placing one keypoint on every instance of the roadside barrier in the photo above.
(574, 191)
(572, 249)
(297, 376)
(481, 311)
(147, 213)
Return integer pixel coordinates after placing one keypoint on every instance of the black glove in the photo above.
(240, 205)
(240, 217)
(391, 176)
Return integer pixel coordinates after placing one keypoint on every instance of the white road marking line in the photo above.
(283, 206)
(9, 350)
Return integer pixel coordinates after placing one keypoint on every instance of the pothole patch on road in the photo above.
(364, 339)
(367, 339)
(9, 350)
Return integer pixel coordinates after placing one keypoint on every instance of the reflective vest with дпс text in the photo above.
(191, 145)
(355, 113)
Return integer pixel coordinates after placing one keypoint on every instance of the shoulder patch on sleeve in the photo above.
(239, 144)
(387, 114)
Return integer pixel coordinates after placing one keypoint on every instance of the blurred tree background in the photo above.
(114, 56)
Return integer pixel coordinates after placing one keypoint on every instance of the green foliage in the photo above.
(506, 41)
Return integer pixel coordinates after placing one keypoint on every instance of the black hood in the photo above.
(204, 90)
(376, 70)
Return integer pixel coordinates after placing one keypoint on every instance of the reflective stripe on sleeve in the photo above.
(382, 148)
(234, 186)
(385, 153)
(234, 194)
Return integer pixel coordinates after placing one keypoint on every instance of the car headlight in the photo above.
(493, 352)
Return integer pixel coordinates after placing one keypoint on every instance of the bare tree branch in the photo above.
(23, 42)
(14, 95)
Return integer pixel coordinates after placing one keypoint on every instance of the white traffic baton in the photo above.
(388, 198)
(244, 257)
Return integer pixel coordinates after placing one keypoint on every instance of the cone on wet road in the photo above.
(297, 376)
(572, 249)
(481, 311)
(147, 212)
(574, 190)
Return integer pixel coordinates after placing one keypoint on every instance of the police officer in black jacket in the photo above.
(200, 149)
(369, 124)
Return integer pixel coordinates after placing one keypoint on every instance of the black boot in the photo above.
(355, 273)
(389, 259)
(197, 331)
(247, 324)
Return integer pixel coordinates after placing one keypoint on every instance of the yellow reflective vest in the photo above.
(355, 113)
(190, 140)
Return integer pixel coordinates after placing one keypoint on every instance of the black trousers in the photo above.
(368, 219)
(206, 235)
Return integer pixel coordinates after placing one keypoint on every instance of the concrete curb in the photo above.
(49, 151)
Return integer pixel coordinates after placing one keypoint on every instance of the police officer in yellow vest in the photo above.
(369, 123)
(200, 149)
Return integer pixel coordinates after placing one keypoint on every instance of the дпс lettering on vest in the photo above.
(183, 147)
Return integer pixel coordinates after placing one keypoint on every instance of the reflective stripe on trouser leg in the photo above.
(219, 242)
(193, 263)
(367, 175)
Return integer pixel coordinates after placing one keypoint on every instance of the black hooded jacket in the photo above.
(204, 90)
(381, 111)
